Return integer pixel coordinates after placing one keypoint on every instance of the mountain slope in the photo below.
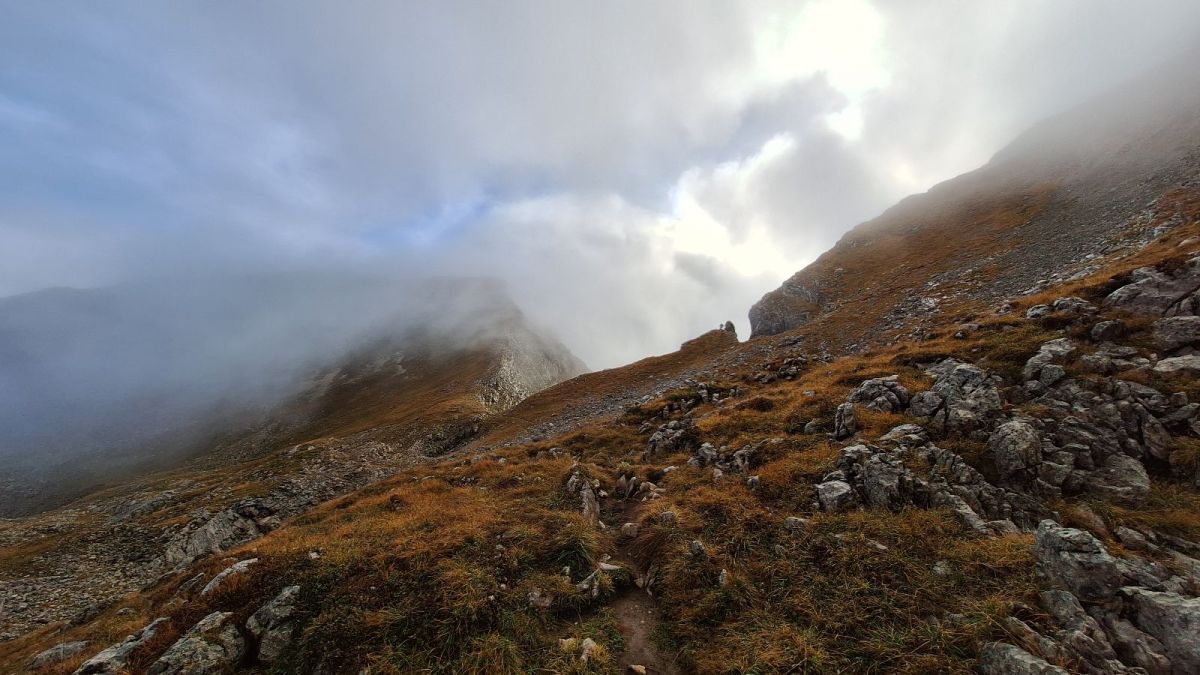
(1079, 185)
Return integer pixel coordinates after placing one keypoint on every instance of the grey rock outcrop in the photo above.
(845, 424)
(57, 653)
(964, 397)
(884, 394)
(229, 527)
(792, 304)
(1174, 620)
(238, 567)
(113, 660)
(214, 645)
(1158, 293)
(274, 625)
(1075, 561)
(1173, 332)
(999, 658)
(1016, 450)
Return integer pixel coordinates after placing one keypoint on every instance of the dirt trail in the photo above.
(637, 613)
(637, 616)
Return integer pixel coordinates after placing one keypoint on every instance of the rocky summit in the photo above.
(965, 439)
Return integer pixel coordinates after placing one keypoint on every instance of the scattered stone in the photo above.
(794, 524)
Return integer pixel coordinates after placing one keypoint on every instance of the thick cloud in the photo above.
(636, 172)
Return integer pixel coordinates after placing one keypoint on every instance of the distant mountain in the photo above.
(97, 384)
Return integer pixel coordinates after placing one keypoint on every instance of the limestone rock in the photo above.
(1122, 478)
(237, 568)
(835, 496)
(112, 661)
(1075, 561)
(1179, 365)
(844, 423)
(1052, 352)
(1173, 332)
(1159, 293)
(998, 658)
(1016, 449)
(963, 398)
(1174, 620)
(884, 394)
(274, 624)
(214, 645)
(57, 653)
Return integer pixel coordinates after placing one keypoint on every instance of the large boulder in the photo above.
(1016, 450)
(1075, 561)
(274, 624)
(964, 397)
(1122, 479)
(113, 661)
(1160, 293)
(214, 645)
(884, 394)
(1174, 620)
(57, 653)
(1173, 332)
(1179, 365)
(1052, 352)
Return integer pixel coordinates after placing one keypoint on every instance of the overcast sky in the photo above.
(637, 172)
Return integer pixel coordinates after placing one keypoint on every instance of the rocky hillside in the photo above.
(950, 465)
(1109, 175)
